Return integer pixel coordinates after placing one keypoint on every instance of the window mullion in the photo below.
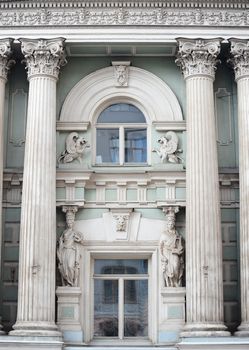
(121, 145)
(121, 308)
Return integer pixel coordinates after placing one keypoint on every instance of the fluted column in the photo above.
(36, 289)
(204, 287)
(5, 52)
(240, 62)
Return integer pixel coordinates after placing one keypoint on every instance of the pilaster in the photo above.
(204, 290)
(5, 62)
(240, 62)
(36, 292)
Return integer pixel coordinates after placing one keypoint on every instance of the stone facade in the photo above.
(123, 170)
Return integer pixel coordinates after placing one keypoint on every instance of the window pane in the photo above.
(107, 146)
(120, 266)
(135, 308)
(135, 146)
(105, 308)
(121, 113)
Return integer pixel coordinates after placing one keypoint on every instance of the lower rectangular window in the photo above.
(121, 298)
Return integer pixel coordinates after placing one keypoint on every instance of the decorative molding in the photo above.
(5, 54)
(169, 125)
(239, 4)
(128, 14)
(70, 126)
(17, 134)
(43, 57)
(198, 56)
(240, 57)
(91, 95)
(222, 98)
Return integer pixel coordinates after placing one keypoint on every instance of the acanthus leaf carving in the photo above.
(43, 57)
(240, 57)
(198, 56)
(5, 54)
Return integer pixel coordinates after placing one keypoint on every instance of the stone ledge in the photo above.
(30, 343)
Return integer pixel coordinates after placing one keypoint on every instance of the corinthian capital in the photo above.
(43, 57)
(198, 56)
(240, 57)
(5, 52)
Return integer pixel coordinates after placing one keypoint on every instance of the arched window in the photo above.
(121, 135)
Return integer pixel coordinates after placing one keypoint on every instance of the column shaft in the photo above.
(203, 241)
(243, 121)
(5, 51)
(36, 292)
(240, 62)
(204, 282)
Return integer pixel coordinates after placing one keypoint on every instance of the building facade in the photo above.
(124, 174)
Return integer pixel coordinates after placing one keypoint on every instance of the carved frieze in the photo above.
(155, 14)
(198, 56)
(5, 53)
(240, 57)
(43, 57)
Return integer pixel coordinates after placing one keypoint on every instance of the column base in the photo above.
(192, 330)
(36, 329)
(243, 330)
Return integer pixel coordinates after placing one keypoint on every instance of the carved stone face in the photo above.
(170, 223)
(70, 219)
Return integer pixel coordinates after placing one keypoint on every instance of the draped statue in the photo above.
(171, 249)
(68, 251)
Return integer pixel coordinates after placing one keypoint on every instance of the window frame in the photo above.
(121, 127)
(148, 253)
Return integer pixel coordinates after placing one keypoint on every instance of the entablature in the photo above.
(126, 189)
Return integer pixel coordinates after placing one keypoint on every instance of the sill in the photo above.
(113, 342)
(109, 165)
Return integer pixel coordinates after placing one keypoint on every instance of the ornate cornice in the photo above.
(60, 14)
(234, 4)
(43, 57)
(240, 57)
(5, 53)
(198, 56)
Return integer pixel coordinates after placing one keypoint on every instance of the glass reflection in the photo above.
(106, 308)
(121, 113)
(107, 146)
(135, 146)
(121, 266)
(135, 308)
